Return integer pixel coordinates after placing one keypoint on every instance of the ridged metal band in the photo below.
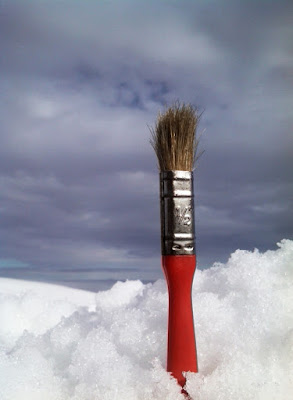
(177, 213)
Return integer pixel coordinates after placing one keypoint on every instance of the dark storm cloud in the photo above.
(81, 81)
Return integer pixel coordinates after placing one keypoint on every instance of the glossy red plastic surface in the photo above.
(179, 272)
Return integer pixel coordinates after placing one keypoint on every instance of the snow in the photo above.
(58, 343)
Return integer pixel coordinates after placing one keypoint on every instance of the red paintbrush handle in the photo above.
(179, 271)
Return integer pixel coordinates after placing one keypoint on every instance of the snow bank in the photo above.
(58, 343)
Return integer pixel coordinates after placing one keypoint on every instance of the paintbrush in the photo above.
(175, 143)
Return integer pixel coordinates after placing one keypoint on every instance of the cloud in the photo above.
(81, 83)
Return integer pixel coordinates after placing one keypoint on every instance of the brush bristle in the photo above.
(174, 138)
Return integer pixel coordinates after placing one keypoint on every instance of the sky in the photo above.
(81, 82)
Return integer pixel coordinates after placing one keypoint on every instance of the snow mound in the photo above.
(58, 343)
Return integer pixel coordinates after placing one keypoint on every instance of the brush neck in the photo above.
(177, 213)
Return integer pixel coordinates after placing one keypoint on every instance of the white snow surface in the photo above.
(58, 343)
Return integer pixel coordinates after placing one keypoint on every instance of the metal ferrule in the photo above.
(177, 213)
